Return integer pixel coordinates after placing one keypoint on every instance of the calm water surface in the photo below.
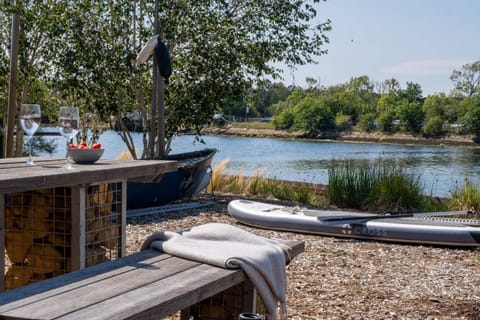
(441, 170)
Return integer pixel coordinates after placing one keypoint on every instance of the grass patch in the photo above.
(466, 198)
(349, 184)
(253, 125)
(374, 186)
(258, 185)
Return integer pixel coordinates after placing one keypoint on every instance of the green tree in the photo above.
(471, 119)
(367, 122)
(233, 107)
(284, 120)
(386, 112)
(467, 80)
(434, 106)
(263, 98)
(219, 50)
(35, 49)
(297, 95)
(392, 86)
(433, 127)
(343, 122)
(413, 93)
(359, 97)
(311, 115)
(410, 114)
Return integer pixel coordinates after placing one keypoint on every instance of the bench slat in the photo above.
(56, 285)
(73, 297)
(160, 299)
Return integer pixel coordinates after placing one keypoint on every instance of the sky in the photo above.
(419, 41)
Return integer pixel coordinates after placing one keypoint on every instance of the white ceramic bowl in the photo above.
(85, 156)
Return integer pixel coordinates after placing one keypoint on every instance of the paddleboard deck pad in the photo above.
(443, 229)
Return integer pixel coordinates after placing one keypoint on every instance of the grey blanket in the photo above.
(263, 260)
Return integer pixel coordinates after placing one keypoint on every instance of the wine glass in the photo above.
(68, 122)
(30, 116)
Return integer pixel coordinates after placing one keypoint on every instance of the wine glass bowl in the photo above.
(68, 125)
(30, 118)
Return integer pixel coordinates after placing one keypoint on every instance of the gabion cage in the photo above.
(49, 232)
(226, 305)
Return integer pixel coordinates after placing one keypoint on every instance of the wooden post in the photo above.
(2, 241)
(78, 257)
(12, 92)
(123, 251)
(158, 105)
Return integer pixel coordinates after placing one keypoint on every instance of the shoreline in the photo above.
(354, 136)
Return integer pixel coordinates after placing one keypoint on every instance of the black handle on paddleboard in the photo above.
(396, 215)
(249, 316)
(380, 216)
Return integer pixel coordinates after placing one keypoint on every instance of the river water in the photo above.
(441, 169)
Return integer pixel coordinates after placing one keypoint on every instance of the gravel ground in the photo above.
(348, 279)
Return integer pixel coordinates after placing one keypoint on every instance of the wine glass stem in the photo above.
(67, 164)
(30, 150)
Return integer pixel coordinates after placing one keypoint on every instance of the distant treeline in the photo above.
(364, 105)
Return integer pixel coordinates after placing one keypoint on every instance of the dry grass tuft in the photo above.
(216, 175)
(125, 155)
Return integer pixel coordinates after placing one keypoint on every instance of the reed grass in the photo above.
(374, 186)
(466, 198)
(350, 185)
(397, 191)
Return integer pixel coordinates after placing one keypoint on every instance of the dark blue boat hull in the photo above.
(192, 176)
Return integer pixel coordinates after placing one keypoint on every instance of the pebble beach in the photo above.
(339, 278)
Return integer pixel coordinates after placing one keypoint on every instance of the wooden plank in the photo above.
(123, 250)
(2, 241)
(106, 288)
(20, 161)
(293, 248)
(249, 297)
(54, 286)
(78, 200)
(160, 299)
(50, 174)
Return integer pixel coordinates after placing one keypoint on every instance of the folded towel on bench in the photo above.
(263, 260)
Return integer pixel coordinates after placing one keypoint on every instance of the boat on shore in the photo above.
(439, 228)
(193, 174)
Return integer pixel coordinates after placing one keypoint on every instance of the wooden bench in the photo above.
(146, 285)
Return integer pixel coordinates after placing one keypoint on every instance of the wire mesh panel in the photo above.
(39, 232)
(226, 305)
(103, 224)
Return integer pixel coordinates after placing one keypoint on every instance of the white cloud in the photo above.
(427, 67)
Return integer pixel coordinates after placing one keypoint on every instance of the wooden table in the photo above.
(17, 179)
(15, 176)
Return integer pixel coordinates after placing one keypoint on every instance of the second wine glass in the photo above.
(68, 123)
(30, 116)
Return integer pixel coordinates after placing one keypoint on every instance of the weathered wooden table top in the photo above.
(15, 176)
